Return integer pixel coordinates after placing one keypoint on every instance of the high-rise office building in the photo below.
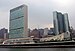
(4, 33)
(55, 21)
(66, 22)
(18, 27)
(61, 22)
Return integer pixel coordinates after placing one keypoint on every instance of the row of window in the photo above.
(16, 14)
(17, 31)
(17, 23)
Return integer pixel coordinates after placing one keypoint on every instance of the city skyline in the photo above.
(39, 14)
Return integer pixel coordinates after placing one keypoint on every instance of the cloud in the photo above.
(4, 20)
(40, 12)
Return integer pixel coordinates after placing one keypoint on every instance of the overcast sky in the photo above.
(40, 12)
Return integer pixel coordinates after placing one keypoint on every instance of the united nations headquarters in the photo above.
(18, 25)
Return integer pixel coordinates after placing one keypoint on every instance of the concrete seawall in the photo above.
(67, 44)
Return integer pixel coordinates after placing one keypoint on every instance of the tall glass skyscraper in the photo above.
(18, 22)
(66, 22)
(61, 22)
(55, 20)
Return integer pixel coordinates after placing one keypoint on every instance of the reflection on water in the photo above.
(37, 49)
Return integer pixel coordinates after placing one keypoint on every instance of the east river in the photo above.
(37, 49)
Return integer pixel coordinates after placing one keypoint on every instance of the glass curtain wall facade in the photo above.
(18, 22)
(61, 22)
(66, 22)
(55, 20)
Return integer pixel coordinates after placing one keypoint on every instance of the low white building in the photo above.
(60, 37)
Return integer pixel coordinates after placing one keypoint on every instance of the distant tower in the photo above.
(61, 22)
(18, 27)
(4, 33)
(66, 22)
(55, 20)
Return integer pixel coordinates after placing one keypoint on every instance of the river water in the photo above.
(37, 49)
